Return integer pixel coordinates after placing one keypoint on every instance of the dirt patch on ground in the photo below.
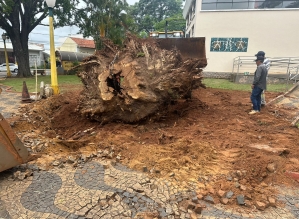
(208, 143)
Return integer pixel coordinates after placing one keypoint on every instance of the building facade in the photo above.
(241, 28)
(35, 53)
(73, 44)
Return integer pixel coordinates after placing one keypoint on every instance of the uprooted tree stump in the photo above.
(135, 82)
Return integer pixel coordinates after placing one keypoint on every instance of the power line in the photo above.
(46, 34)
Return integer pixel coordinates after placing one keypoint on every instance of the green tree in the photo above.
(19, 17)
(143, 34)
(174, 23)
(104, 19)
(147, 13)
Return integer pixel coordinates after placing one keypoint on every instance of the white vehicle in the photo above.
(13, 67)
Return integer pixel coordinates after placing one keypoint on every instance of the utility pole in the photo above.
(5, 37)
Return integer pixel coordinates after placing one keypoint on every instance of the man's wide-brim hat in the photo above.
(260, 53)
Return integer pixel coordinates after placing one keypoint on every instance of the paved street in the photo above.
(3, 74)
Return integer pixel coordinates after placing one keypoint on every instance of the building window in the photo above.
(247, 4)
(32, 60)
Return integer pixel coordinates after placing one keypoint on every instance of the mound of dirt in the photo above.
(208, 143)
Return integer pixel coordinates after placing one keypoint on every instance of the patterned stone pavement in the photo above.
(9, 102)
(100, 190)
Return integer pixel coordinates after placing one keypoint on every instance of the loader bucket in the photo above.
(12, 150)
(188, 47)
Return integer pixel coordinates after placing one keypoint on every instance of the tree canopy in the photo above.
(104, 18)
(19, 17)
(174, 23)
(147, 13)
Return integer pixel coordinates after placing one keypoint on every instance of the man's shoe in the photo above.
(253, 112)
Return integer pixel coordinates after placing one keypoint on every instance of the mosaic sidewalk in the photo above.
(9, 102)
(97, 190)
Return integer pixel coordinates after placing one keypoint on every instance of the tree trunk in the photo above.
(20, 45)
(139, 81)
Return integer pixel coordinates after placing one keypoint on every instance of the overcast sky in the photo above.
(41, 33)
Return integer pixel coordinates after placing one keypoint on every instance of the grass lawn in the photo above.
(67, 82)
(64, 82)
(226, 84)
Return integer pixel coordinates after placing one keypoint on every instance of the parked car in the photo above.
(13, 67)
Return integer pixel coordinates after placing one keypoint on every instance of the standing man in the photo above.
(267, 64)
(258, 85)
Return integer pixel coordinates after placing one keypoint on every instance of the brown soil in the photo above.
(200, 143)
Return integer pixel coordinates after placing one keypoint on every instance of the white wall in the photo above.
(69, 45)
(276, 32)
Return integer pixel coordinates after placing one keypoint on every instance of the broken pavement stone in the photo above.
(229, 178)
(200, 196)
(118, 157)
(83, 158)
(224, 201)
(75, 164)
(248, 203)
(237, 185)
(248, 196)
(239, 173)
(272, 201)
(229, 194)
(28, 173)
(198, 208)
(171, 174)
(106, 166)
(240, 200)
(271, 167)
(71, 159)
(22, 176)
(195, 200)
(16, 174)
(138, 188)
(61, 165)
(43, 167)
(263, 184)
(211, 190)
(55, 163)
(221, 193)
(242, 187)
(187, 205)
(209, 199)
(260, 205)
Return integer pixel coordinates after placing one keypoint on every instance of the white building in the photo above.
(35, 53)
(235, 28)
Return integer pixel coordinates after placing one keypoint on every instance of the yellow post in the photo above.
(6, 59)
(54, 81)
